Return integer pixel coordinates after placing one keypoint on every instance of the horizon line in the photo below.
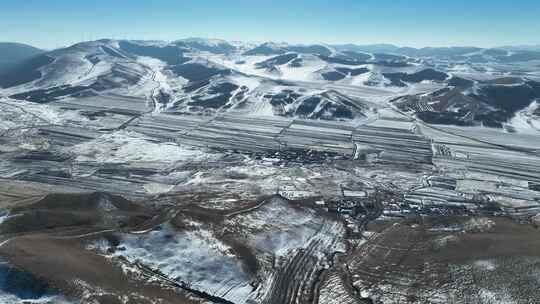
(259, 42)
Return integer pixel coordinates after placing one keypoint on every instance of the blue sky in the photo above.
(54, 23)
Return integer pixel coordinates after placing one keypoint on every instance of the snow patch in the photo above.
(485, 265)
(124, 146)
(194, 257)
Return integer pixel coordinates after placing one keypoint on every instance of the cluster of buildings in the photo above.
(297, 156)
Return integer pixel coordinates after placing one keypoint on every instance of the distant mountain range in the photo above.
(13, 53)
(522, 48)
(450, 85)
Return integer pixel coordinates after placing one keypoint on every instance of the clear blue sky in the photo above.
(53, 23)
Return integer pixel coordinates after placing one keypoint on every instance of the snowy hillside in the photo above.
(463, 86)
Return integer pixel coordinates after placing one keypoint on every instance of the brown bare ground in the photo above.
(63, 262)
(507, 239)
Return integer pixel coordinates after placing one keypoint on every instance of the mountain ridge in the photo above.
(196, 75)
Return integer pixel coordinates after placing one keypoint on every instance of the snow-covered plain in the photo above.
(130, 147)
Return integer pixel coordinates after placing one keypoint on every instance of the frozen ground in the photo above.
(196, 257)
(11, 299)
(17, 114)
(130, 147)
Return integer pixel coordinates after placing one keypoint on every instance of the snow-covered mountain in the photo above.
(458, 85)
(492, 103)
